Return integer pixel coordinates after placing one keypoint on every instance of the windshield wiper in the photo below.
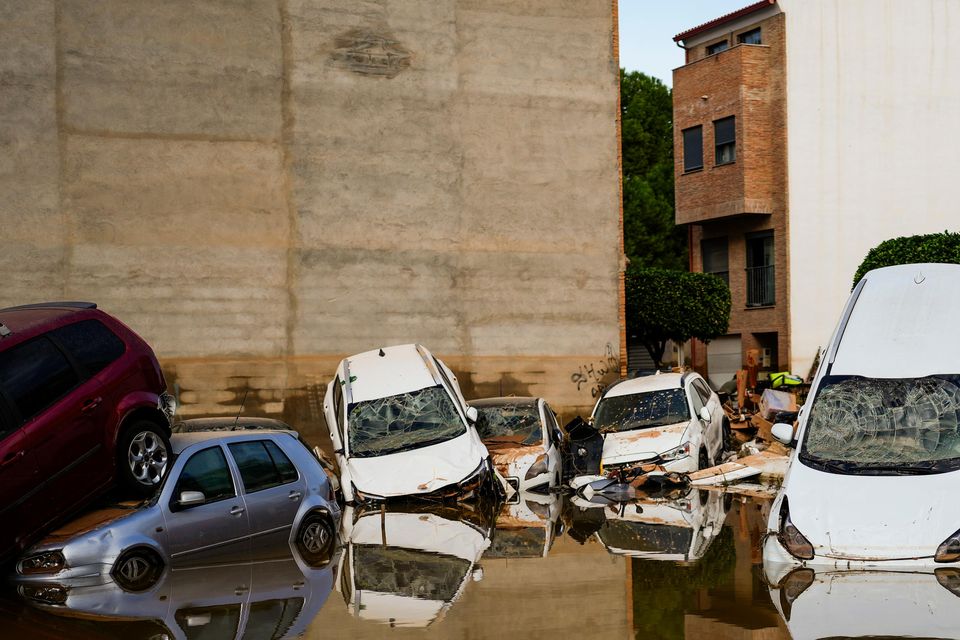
(899, 469)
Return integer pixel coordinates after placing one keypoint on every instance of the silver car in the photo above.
(224, 493)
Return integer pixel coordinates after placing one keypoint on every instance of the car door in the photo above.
(18, 478)
(696, 404)
(218, 528)
(272, 487)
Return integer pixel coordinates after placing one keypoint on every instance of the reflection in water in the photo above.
(271, 595)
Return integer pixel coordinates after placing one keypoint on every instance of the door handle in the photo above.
(294, 495)
(239, 591)
(91, 404)
(235, 511)
(11, 458)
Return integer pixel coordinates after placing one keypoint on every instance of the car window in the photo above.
(272, 619)
(209, 623)
(206, 471)
(702, 389)
(257, 469)
(91, 344)
(288, 473)
(695, 398)
(34, 375)
(552, 426)
(338, 406)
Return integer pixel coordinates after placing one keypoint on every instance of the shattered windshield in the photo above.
(408, 572)
(641, 537)
(517, 543)
(402, 422)
(642, 410)
(510, 423)
(885, 426)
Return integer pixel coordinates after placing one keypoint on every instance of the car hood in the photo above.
(419, 470)
(514, 460)
(92, 521)
(642, 444)
(872, 517)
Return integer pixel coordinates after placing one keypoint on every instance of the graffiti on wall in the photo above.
(371, 54)
(597, 374)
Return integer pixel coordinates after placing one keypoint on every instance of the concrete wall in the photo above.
(872, 103)
(290, 179)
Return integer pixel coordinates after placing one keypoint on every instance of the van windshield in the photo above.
(884, 426)
(403, 422)
(641, 410)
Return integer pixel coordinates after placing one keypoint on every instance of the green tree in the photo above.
(932, 247)
(650, 236)
(674, 305)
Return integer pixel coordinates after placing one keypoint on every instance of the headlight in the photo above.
(475, 476)
(949, 550)
(679, 452)
(45, 593)
(360, 496)
(167, 404)
(46, 562)
(537, 468)
(790, 537)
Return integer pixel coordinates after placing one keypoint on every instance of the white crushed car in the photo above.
(876, 471)
(400, 427)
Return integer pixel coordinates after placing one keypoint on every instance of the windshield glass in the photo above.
(642, 410)
(402, 422)
(513, 423)
(896, 426)
(408, 572)
(641, 537)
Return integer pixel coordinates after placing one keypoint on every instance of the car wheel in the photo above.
(137, 569)
(703, 462)
(316, 538)
(142, 457)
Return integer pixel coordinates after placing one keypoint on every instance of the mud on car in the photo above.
(82, 406)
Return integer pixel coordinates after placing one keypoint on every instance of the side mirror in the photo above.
(705, 414)
(191, 498)
(783, 433)
(477, 573)
(472, 415)
(557, 436)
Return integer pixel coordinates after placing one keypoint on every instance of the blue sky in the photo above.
(647, 28)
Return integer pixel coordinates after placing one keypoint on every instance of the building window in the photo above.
(725, 137)
(717, 47)
(760, 270)
(749, 37)
(715, 259)
(693, 148)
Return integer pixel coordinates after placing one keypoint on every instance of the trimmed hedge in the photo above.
(666, 305)
(934, 247)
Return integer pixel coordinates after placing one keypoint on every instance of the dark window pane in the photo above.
(761, 291)
(750, 37)
(207, 472)
(35, 375)
(256, 467)
(209, 623)
(692, 148)
(724, 134)
(91, 344)
(717, 47)
(715, 257)
(288, 473)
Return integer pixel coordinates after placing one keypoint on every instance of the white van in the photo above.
(875, 475)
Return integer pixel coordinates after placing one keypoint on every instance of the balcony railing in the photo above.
(760, 286)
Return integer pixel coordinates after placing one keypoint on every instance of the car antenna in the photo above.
(381, 353)
(242, 402)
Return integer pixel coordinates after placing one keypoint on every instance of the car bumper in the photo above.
(780, 561)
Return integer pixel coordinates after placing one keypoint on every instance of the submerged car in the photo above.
(401, 428)
(82, 407)
(223, 494)
(523, 438)
(876, 471)
(272, 593)
(670, 419)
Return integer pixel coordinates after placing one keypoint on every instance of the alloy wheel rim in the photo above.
(315, 537)
(147, 456)
(134, 569)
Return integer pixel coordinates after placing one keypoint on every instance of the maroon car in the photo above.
(82, 405)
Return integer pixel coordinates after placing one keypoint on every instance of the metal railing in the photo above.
(760, 286)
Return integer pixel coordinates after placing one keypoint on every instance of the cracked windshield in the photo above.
(479, 319)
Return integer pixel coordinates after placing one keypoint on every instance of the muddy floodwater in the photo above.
(684, 566)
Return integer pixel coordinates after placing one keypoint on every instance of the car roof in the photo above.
(29, 316)
(903, 324)
(180, 441)
(401, 369)
(227, 423)
(656, 382)
(504, 401)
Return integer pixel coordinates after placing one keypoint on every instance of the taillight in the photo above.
(790, 537)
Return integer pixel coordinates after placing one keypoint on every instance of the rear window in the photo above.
(261, 468)
(642, 410)
(91, 344)
(34, 375)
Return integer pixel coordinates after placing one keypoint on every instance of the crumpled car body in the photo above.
(873, 480)
(219, 500)
(401, 428)
(523, 438)
(406, 568)
(275, 592)
(672, 419)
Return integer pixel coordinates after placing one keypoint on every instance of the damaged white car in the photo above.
(670, 419)
(873, 482)
(400, 427)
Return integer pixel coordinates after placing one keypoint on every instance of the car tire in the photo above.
(316, 539)
(143, 454)
(137, 569)
(727, 435)
(703, 460)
